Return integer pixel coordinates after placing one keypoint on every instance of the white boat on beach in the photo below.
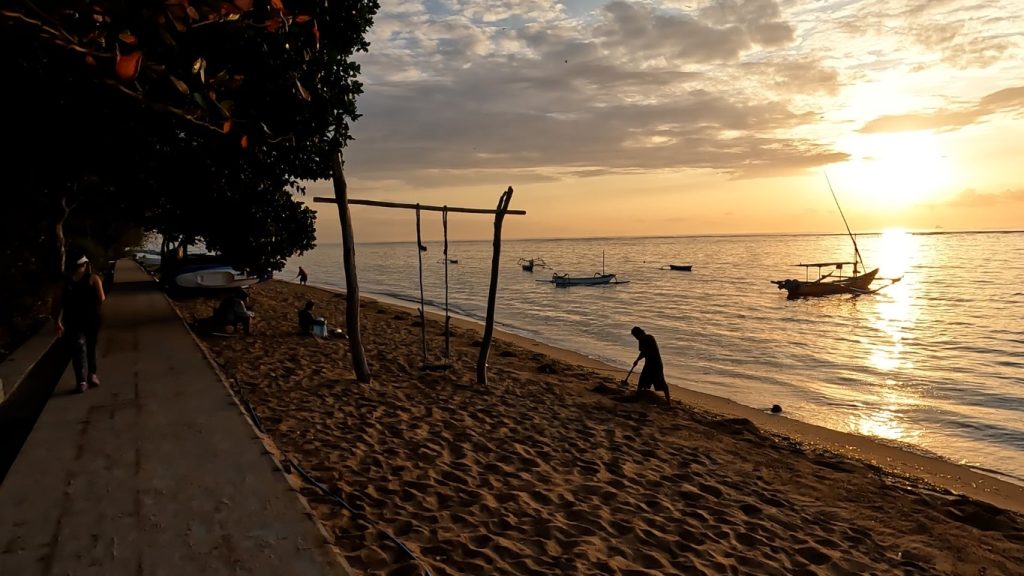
(214, 278)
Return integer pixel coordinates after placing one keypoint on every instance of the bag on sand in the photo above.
(320, 327)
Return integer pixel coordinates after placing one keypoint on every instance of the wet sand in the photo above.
(536, 473)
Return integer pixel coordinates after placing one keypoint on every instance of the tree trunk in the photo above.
(355, 340)
(62, 255)
(492, 293)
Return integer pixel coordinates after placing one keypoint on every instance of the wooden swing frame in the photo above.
(352, 285)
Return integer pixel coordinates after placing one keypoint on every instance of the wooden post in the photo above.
(355, 340)
(447, 316)
(423, 313)
(492, 293)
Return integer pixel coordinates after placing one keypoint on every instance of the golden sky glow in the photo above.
(699, 117)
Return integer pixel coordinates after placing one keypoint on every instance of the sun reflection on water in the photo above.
(883, 424)
(894, 321)
(898, 249)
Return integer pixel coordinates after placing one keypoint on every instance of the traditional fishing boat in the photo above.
(564, 280)
(602, 277)
(680, 267)
(529, 263)
(856, 283)
(827, 284)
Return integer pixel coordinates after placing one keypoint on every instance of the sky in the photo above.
(683, 117)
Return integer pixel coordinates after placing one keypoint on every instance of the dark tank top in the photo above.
(81, 306)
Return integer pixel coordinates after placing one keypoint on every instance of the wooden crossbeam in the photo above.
(324, 200)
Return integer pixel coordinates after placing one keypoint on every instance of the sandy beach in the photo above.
(538, 474)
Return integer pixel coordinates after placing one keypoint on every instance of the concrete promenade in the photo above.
(156, 471)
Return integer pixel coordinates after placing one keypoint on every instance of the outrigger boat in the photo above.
(826, 284)
(564, 280)
(856, 283)
(529, 263)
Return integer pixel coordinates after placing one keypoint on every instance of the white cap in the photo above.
(82, 260)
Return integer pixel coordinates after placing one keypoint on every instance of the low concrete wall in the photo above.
(15, 367)
(28, 396)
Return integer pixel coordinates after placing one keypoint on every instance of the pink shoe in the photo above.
(82, 387)
(94, 381)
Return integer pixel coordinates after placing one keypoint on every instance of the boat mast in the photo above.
(856, 250)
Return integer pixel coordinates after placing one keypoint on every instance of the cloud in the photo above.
(641, 32)
(485, 91)
(1008, 100)
(973, 199)
(472, 90)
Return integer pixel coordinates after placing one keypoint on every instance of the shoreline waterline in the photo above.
(895, 460)
(930, 364)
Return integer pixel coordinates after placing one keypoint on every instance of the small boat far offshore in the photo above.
(529, 263)
(680, 267)
(564, 280)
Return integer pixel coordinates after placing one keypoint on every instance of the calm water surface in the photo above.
(934, 362)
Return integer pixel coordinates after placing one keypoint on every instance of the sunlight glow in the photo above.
(895, 253)
(894, 171)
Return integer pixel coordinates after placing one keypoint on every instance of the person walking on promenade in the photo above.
(302, 276)
(653, 372)
(78, 321)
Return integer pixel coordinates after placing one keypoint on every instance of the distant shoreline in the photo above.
(939, 232)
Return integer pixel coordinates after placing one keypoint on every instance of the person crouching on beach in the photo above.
(653, 372)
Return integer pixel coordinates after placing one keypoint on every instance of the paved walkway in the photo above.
(155, 472)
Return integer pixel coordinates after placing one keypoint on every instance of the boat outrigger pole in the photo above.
(856, 250)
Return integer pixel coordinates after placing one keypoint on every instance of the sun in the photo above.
(895, 171)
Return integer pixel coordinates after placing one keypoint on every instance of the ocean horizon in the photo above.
(931, 364)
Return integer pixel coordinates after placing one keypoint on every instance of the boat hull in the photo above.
(214, 278)
(681, 267)
(597, 279)
(852, 285)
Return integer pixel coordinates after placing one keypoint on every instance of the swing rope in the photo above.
(419, 254)
(447, 317)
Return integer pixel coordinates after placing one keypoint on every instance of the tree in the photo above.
(274, 78)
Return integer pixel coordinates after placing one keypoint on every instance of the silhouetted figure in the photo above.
(309, 324)
(302, 276)
(232, 312)
(78, 321)
(653, 373)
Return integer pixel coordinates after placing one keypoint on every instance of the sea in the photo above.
(933, 363)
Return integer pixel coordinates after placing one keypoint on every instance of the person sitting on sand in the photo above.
(308, 322)
(232, 312)
(653, 372)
